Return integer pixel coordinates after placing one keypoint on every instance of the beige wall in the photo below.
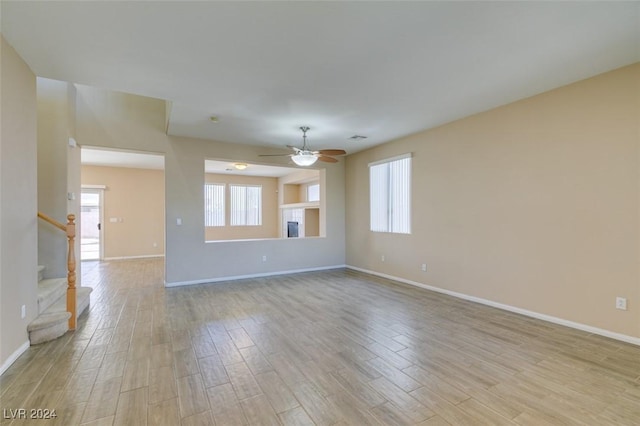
(73, 174)
(533, 205)
(296, 192)
(18, 189)
(269, 228)
(56, 171)
(303, 191)
(137, 197)
(312, 222)
(117, 120)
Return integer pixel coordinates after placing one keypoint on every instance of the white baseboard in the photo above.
(145, 256)
(244, 277)
(14, 356)
(532, 314)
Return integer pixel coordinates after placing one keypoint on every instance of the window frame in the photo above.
(309, 192)
(388, 219)
(233, 216)
(224, 205)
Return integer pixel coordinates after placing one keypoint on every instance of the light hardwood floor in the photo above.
(333, 347)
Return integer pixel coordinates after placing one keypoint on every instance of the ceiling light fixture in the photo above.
(240, 166)
(303, 156)
(357, 137)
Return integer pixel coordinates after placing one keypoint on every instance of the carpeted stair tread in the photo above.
(54, 322)
(82, 293)
(49, 291)
(48, 319)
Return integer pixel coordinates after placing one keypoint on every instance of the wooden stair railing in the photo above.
(70, 230)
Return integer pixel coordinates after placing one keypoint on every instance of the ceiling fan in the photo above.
(305, 157)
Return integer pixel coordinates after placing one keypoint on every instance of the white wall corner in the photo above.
(14, 356)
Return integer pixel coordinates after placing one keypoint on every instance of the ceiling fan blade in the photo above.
(332, 151)
(327, 159)
(274, 155)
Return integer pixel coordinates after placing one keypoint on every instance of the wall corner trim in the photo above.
(532, 314)
(249, 276)
(14, 356)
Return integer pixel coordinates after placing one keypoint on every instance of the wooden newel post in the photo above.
(71, 266)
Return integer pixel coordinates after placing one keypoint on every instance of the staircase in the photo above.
(53, 318)
(60, 303)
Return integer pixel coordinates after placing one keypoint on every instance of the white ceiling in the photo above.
(227, 167)
(110, 158)
(90, 156)
(379, 69)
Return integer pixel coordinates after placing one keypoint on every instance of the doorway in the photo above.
(91, 214)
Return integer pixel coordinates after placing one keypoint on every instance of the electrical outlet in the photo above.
(264, 258)
(23, 311)
(621, 303)
(382, 258)
(424, 267)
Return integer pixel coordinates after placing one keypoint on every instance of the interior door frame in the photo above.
(96, 189)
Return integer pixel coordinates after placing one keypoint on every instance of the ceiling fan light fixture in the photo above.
(304, 159)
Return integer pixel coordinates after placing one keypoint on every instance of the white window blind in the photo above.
(313, 192)
(213, 204)
(246, 205)
(390, 195)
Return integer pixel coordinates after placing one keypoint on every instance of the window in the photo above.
(390, 192)
(246, 205)
(313, 192)
(213, 204)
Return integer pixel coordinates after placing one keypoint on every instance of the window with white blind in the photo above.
(313, 192)
(390, 195)
(213, 204)
(246, 205)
